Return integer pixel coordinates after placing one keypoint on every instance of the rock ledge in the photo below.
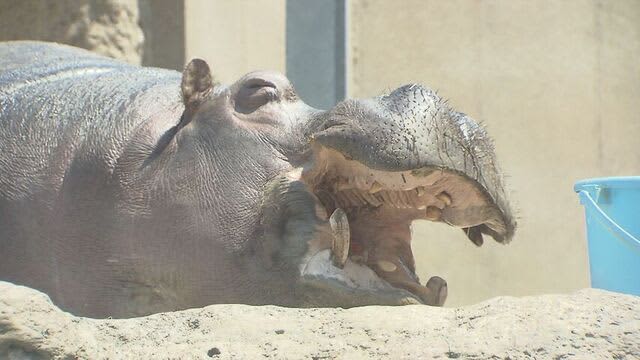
(589, 324)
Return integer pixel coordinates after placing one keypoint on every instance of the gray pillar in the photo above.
(163, 23)
(316, 50)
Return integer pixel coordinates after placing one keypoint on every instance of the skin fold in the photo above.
(126, 191)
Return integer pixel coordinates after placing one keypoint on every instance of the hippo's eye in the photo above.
(253, 94)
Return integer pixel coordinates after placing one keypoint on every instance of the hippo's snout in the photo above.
(381, 163)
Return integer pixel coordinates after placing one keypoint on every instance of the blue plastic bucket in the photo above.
(612, 207)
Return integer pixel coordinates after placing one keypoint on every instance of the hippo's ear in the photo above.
(196, 84)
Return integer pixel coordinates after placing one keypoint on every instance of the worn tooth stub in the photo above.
(445, 198)
(375, 187)
(341, 237)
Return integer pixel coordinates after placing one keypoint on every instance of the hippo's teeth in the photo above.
(371, 199)
(406, 200)
(341, 237)
(385, 196)
(343, 184)
(361, 197)
(392, 198)
(375, 187)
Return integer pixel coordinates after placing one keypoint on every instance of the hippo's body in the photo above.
(126, 190)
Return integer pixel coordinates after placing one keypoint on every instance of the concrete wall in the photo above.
(236, 36)
(108, 27)
(558, 85)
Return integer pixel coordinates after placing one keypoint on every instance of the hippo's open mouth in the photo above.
(370, 212)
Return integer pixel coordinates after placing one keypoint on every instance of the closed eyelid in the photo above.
(252, 96)
(259, 83)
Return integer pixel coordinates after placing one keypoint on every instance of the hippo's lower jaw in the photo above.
(369, 259)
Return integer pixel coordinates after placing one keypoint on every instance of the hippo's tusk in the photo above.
(341, 237)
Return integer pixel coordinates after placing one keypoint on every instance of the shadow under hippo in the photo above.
(127, 190)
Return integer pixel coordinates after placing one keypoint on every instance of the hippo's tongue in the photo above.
(398, 275)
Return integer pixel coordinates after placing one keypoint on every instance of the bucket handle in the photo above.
(589, 203)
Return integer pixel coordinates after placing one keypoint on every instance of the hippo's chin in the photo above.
(353, 284)
(370, 212)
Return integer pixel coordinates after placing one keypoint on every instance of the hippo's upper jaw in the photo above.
(380, 164)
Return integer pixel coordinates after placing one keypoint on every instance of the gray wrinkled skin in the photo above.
(127, 191)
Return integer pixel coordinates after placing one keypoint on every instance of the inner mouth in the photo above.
(371, 211)
(374, 229)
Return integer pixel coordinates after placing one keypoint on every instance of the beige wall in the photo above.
(236, 36)
(558, 85)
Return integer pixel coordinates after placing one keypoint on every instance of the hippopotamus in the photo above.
(128, 190)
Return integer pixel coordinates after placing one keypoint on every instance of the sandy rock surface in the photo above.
(589, 324)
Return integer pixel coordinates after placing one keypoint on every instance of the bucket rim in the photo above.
(597, 213)
(610, 182)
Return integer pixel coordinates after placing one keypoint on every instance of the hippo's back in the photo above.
(66, 116)
(60, 105)
(24, 63)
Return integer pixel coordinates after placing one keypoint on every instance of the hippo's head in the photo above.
(324, 200)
